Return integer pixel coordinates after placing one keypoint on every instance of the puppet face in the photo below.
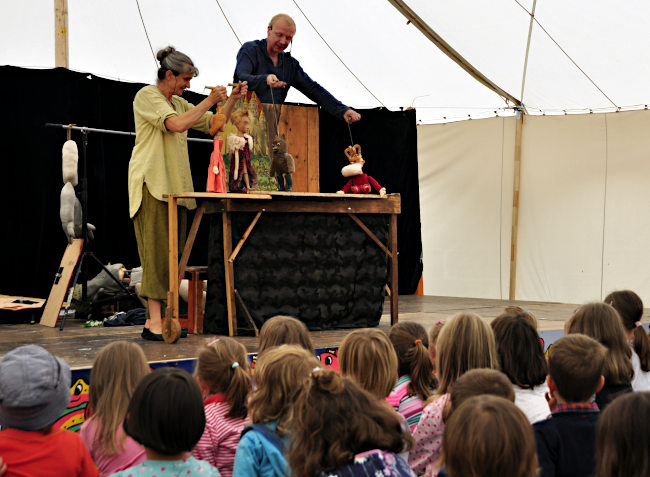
(279, 145)
(353, 169)
(279, 36)
(244, 125)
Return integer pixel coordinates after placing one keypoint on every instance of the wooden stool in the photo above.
(194, 320)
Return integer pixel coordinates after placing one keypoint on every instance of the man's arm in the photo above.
(248, 63)
(319, 95)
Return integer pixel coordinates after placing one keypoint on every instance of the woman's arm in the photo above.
(183, 122)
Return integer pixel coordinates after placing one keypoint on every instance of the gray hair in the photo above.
(178, 63)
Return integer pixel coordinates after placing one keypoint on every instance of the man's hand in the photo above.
(240, 90)
(351, 116)
(274, 82)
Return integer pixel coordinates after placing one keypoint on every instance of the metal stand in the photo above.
(82, 264)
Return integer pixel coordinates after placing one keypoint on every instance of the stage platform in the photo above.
(79, 346)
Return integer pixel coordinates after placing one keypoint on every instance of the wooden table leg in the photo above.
(229, 273)
(172, 203)
(394, 286)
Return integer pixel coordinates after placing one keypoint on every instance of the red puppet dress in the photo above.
(217, 169)
(360, 184)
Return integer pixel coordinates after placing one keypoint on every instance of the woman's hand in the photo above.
(240, 90)
(218, 94)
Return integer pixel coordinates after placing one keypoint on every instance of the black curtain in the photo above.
(32, 239)
(388, 143)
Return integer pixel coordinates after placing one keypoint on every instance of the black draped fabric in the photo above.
(33, 241)
(388, 143)
(320, 268)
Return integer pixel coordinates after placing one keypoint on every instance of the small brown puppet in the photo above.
(282, 164)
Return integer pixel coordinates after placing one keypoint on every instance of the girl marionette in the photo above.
(217, 170)
(242, 175)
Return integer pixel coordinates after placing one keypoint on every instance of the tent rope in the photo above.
(337, 56)
(565, 53)
(155, 60)
(228, 21)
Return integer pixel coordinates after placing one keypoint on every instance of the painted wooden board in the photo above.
(61, 283)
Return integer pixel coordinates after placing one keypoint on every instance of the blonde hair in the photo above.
(489, 436)
(116, 372)
(603, 323)
(223, 368)
(282, 329)
(238, 115)
(280, 374)
(282, 16)
(465, 342)
(368, 357)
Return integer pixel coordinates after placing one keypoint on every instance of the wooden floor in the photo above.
(79, 346)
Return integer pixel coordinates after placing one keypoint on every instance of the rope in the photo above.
(227, 21)
(155, 60)
(337, 56)
(565, 53)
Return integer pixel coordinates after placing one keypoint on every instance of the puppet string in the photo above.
(275, 114)
(350, 131)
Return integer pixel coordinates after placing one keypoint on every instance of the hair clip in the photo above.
(438, 323)
(417, 342)
(637, 324)
(234, 365)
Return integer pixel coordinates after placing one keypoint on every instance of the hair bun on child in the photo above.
(327, 380)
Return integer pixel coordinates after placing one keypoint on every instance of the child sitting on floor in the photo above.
(166, 417)
(416, 381)
(117, 370)
(341, 430)
(566, 441)
(34, 392)
(283, 329)
(223, 374)
(280, 374)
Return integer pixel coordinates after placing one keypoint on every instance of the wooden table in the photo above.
(260, 202)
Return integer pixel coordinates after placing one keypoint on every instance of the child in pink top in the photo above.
(223, 374)
(116, 372)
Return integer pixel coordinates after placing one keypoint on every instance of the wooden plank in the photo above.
(323, 195)
(61, 283)
(394, 285)
(244, 237)
(189, 243)
(172, 208)
(338, 207)
(229, 273)
(313, 172)
(515, 209)
(372, 236)
(61, 58)
(218, 195)
(293, 124)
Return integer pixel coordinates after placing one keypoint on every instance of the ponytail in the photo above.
(411, 344)
(630, 309)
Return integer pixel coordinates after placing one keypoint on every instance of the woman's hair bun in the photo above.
(162, 54)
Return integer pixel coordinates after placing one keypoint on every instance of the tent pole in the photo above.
(61, 33)
(530, 32)
(446, 48)
(515, 206)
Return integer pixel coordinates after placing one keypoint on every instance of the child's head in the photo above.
(283, 329)
(222, 368)
(575, 367)
(630, 309)
(368, 357)
(334, 419)
(465, 342)
(519, 312)
(489, 436)
(242, 119)
(117, 370)
(601, 322)
(520, 353)
(623, 437)
(34, 388)
(166, 412)
(411, 345)
(280, 373)
(476, 382)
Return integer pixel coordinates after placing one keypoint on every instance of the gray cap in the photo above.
(34, 388)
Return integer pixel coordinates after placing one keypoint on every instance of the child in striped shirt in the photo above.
(223, 374)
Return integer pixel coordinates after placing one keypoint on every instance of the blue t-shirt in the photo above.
(254, 64)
